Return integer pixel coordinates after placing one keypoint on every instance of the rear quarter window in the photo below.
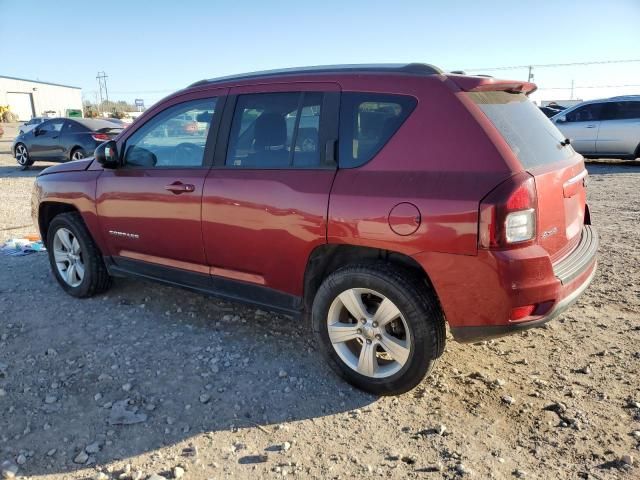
(367, 122)
(530, 134)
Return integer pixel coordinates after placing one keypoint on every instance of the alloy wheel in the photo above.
(77, 155)
(67, 254)
(22, 155)
(369, 333)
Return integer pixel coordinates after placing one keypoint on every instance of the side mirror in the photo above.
(561, 119)
(106, 154)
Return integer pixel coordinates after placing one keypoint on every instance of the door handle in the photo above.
(590, 126)
(179, 187)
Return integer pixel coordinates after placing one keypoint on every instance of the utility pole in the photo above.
(101, 77)
(530, 76)
(571, 90)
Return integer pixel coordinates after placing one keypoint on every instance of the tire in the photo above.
(22, 156)
(84, 253)
(419, 328)
(77, 154)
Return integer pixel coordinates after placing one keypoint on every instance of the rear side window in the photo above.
(529, 133)
(367, 122)
(276, 130)
(73, 127)
(621, 111)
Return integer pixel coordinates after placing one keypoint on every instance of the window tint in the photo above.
(173, 138)
(621, 110)
(587, 113)
(275, 130)
(73, 127)
(52, 126)
(367, 122)
(531, 136)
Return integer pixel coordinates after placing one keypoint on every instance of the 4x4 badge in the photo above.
(548, 233)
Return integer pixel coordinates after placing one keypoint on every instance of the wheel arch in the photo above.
(73, 149)
(47, 211)
(327, 258)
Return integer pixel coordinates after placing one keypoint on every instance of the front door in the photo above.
(581, 126)
(149, 209)
(46, 140)
(266, 198)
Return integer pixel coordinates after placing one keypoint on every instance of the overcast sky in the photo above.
(150, 49)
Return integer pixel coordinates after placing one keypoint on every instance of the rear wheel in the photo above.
(379, 327)
(22, 156)
(75, 259)
(77, 154)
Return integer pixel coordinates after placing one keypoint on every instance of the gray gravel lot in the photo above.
(148, 379)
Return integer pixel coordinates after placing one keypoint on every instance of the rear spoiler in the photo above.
(490, 84)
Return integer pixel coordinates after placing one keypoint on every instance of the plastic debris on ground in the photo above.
(18, 247)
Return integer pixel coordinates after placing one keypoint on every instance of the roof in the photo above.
(405, 68)
(38, 81)
(96, 123)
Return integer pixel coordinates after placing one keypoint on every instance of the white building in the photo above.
(32, 98)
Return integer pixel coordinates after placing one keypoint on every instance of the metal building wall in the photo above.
(46, 96)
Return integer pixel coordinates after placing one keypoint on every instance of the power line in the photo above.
(550, 65)
(590, 86)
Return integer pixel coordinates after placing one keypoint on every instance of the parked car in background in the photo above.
(550, 111)
(603, 128)
(31, 124)
(62, 139)
(341, 194)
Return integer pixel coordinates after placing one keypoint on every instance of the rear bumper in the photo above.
(478, 293)
(474, 334)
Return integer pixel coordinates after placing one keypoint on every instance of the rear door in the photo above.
(558, 170)
(619, 132)
(265, 200)
(581, 126)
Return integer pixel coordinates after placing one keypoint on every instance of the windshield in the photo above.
(530, 134)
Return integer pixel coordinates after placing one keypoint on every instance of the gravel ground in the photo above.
(149, 380)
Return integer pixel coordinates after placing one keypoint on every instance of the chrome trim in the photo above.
(577, 178)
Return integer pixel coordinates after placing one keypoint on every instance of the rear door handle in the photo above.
(179, 187)
(590, 126)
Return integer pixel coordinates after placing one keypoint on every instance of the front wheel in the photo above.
(78, 154)
(22, 156)
(379, 326)
(75, 259)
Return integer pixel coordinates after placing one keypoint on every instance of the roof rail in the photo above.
(408, 68)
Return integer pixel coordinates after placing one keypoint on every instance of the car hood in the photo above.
(74, 166)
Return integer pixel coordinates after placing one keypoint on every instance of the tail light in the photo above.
(508, 214)
(100, 137)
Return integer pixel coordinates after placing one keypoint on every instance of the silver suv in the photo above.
(606, 128)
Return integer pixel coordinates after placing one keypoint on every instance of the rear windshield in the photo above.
(529, 133)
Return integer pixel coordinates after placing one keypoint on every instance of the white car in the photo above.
(603, 128)
(31, 124)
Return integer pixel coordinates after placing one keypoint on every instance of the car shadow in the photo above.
(147, 366)
(16, 171)
(613, 166)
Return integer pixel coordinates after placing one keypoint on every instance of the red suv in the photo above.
(380, 201)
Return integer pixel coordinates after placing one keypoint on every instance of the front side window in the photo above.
(587, 113)
(367, 122)
(276, 130)
(622, 111)
(174, 138)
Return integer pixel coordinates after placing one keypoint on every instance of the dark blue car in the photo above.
(63, 139)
